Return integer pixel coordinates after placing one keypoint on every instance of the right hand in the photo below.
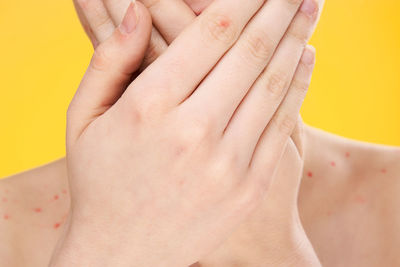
(170, 18)
(181, 179)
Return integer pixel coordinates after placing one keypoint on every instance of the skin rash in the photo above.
(347, 205)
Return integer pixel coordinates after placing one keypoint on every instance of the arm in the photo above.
(86, 166)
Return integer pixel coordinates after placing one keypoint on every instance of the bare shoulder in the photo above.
(33, 206)
(350, 201)
(352, 162)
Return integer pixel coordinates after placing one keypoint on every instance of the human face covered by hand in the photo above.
(202, 172)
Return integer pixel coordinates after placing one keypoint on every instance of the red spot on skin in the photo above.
(383, 171)
(6, 216)
(38, 210)
(329, 213)
(56, 197)
(56, 225)
(64, 192)
(310, 174)
(4, 199)
(333, 164)
(224, 23)
(360, 199)
(347, 155)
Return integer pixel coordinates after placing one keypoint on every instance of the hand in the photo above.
(287, 166)
(151, 149)
(171, 17)
(272, 235)
(100, 17)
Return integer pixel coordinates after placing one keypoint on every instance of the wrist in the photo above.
(86, 243)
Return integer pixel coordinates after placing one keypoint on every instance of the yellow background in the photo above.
(44, 53)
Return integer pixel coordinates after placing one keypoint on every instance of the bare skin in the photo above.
(350, 210)
(350, 205)
(226, 255)
(305, 17)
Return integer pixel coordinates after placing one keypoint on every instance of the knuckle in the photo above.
(142, 111)
(221, 169)
(138, 108)
(219, 28)
(137, 115)
(250, 196)
(84, 4)
(285, 124)
(199, 130)
(300, 86)
(276, 84)
(223, 172)
(259, 45)
(299, 34)
(294, 2)
(147, 107)
(101, 60)
(192, 135)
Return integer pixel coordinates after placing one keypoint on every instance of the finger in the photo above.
(237, 71)
(97, 17)
(111, 68)
(86, 26)
(274, 138)
(157, 46)
(198, 5)
(286, 182)
(169, 16)
(182, 67)
(265, 96)
(116, 9)
(298, 137)
(283, 187)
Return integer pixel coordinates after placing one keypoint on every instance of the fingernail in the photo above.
(309, 7)
(308, 57)
(130, 20)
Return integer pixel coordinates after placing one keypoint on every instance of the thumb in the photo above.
(111, 68)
